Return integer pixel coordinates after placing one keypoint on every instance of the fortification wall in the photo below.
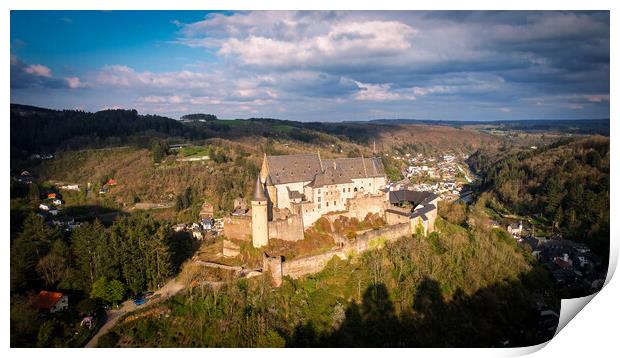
(396, 216)
(238, 227)
(313, 264)
(363, 242)
(308, 265)
(360, 206)
(289, 229)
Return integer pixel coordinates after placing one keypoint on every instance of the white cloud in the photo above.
(342, 42)
(39, 70)
(74, 82)
(381, 93)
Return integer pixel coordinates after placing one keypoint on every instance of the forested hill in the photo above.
(36, 129)
(39, 130)
(566, 184)
(565, 126)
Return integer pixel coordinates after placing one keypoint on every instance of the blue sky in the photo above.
(319, 66)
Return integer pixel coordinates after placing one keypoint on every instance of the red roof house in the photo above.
(51, 301)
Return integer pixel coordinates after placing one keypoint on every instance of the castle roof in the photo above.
(293, 168)
(268, 181)
(285, 169)
(259, 192)
(414, 197)
(329, 177)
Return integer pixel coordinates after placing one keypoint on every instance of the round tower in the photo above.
(260, 233)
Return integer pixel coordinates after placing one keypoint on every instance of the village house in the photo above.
(206, 211)
(514, 229)
(51, 301)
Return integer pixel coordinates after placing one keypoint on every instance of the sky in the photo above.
(316, 66)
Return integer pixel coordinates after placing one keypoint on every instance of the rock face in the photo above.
(230, 249)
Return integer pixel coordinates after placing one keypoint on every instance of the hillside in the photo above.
(426, 291)
(565, 185)
(52, 130)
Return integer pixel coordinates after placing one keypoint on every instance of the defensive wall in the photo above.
(238, 227)
(279, 267)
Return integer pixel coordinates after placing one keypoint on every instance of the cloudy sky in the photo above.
(320, 66)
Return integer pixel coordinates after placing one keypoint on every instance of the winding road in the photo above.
(168, 290)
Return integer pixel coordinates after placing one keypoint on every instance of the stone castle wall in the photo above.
(308, 265)
(360, 206)
(289, 229)
(396, 216)
(238, 227)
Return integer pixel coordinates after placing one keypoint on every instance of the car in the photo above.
(140, 301)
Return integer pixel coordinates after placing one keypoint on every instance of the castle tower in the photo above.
(260, 234)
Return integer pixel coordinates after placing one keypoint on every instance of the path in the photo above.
(170, 289)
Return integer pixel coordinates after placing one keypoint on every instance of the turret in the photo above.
(260, 233)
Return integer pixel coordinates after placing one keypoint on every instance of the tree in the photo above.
(159, 151)
(94, 253)
(51, 268)
(32, 243)
(199, 116)
(184, 200)
(109, 291)
(33, 192)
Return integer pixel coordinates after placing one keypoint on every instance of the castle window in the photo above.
(355, 189)
(349, 190)
(326, 203)
(318, 199)
(319, 206)
(334, 202)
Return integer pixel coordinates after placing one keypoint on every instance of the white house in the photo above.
(515, 229)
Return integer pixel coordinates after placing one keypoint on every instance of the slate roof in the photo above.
(414, 197)
(259, 192)
(294, 168)
(294, 194)
(423, 211)
(329, 177)
(355, 168)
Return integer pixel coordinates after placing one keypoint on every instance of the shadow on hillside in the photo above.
(501, 315)
(91, 212)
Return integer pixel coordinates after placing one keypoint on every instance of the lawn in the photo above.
(194, 151)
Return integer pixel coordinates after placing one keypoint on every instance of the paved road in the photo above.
(170, 289)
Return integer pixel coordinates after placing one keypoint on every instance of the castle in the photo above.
(292, 192)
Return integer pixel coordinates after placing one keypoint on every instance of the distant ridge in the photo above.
(574, 126)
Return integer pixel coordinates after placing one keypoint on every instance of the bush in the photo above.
(108, 340)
